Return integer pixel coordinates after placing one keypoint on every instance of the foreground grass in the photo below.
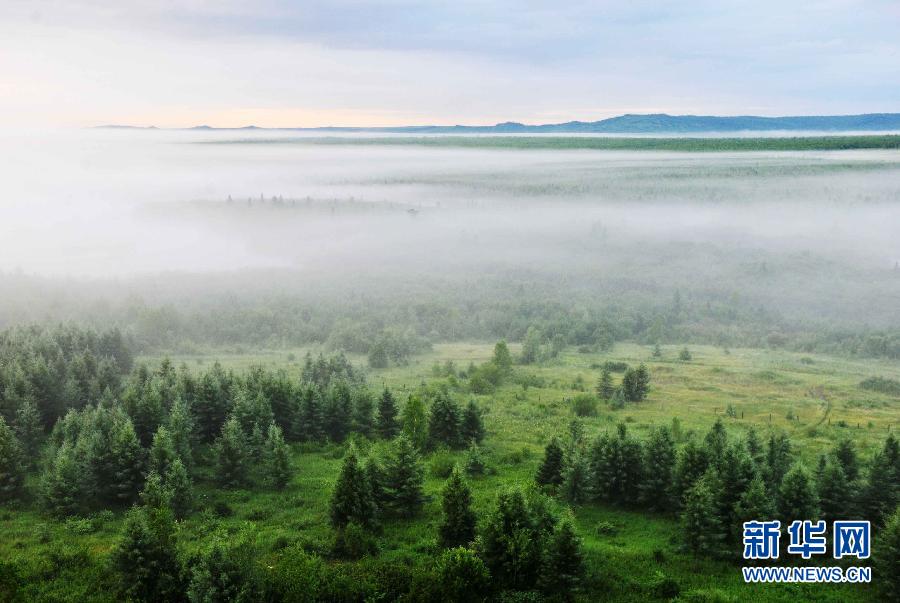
(628, 552)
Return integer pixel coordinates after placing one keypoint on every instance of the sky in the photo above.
(279, 63)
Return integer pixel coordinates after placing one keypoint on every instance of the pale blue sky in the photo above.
(280, 63)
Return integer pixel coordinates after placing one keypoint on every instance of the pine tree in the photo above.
(475, 464)
(211, 404)
(657, 351)
(502, 359)
(311, 418)
(834, 493)
(278, 459)
(562, 569)
(179, 484)
(605, 388)
(181, 429)
(778, 460)
(797, 497)
(701, 525)
(231, 455)
(457, 527)
(12, 464)
(550, 472)
(155, 494)
(443, 422)
(128, 462)
(404, 478)
(29, 430)
(375, 475)
(363, 417)
(755, 505)
(146, 559)
(472, 428)
(845, 453)
(63, 483)
(223, 574)
(735, 473)
(338, 411)
(415, 421)
(513, 541)
(887, 558)
(754, 448)
(387, 415)
(351, 500)
(692, 463)
(716, 442)
(659, 470)
(879, 495)
(576, 482)
(162, 452)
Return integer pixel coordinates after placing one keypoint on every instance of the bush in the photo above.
(585, 405)
(441, 465)
(882, 385)
(664, 587)
(353, 542)
(462, 576)
(615, 366)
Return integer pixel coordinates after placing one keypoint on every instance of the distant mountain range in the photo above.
(657, 123)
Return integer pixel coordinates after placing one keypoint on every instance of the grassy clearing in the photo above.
(627, 551)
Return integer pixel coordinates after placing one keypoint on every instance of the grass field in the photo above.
(627, 551)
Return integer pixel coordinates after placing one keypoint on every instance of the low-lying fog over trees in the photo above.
(179, 237)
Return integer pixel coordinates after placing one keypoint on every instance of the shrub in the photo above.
(441, 465)
(585, 405)
(882, 385)
(615, 366)
(353, 542)
(462, 576)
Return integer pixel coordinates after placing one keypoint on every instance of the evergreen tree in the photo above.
(576, 482)
(701, 525)
(415, 421)
(338, 411)
(835, 500)
(375, 476)
(351, 500)
(531, 346)
(146, 559)
(155, 494)
(616, 468)
(443, 422)
(754, 448)
(211, 403)
(716, 442)
(278, 458)
(513, 541)
(502, 359)
(550, 473)
(179, 484)
(128, 462)
(231, 455)
(657, 351)
(879, 495)
(223, 574)
(755, 505)
(145, 405)
(387, 415)
(734, 474)
(605, 388)
(162, 452)
(797, 497)
(63, 483)
(475, 464)
(472, 428)
(363, 409)
(311, 426)
(29, 430)
(778, 460)
(891, 453)
(887, 558)
(562, 569)
(404, 478)
(462, 577)
(12, 464)
(252, 409)
(181, 430)
(845, 453)
(457, 527)
(692, 463)
(659, 470)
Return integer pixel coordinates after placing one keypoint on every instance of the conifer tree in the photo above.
(691, 464)
(277, 457)
(502, 359)
(879, 495)
(659, 470)
(891, 453)
(576, 483)
(404, 478)
(338, 411)
(128, 462)
(462, 577)
(363, 417)
(735, 473)
(311, 419)
(475, 464)
(755, 505)
(778, 461)
(457, 527)
(605, 388)
(387, 415)
(887, 558)
(562, 569)
(716, 442)
(63, 484)
(415, 421)
(29, 431)
(162, 452)
(443, 422)
(550, 473)
(797, 496)
(146, 559)
(754, 448)
(231, 455)
(211, 404)
(375, 475)
(12, 464)
(181, 429)
(155, 494)
(351, 500)
(179, 484)
(835, 500)
(845, 453)
(657, 351)
(702, 528)
(513, 540)
(223, 574)
(472, 427)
